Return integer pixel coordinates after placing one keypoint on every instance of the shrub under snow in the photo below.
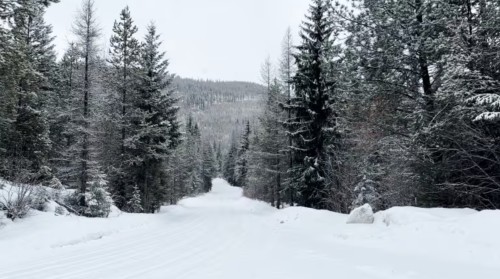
(98, 201)
(367, 192)
(134, 204)
(16, 200)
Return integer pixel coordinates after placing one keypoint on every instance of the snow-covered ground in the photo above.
(223, 235)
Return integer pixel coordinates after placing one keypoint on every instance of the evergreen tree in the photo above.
(98, 201)
(241, 166)
(30, 60)
(229, 172)
(208, 168)
(124, 62)
(134, 203)
(367, 192)
(219, 159)
(193, 160)
(124, 56)
(312, 125)
(154, 119)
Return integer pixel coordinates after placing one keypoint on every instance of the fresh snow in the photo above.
(224, 235)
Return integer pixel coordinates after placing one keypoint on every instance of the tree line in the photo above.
(383, 102)
(105, 125)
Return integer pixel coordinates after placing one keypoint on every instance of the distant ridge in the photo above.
(219, 107)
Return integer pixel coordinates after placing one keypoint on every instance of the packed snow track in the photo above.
(224, 235)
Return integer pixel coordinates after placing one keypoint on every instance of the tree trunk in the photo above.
(424, 67)
(85, 144)
(278, 185)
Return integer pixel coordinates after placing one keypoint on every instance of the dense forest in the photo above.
(384, 102)
(390, 103)
(108, 127)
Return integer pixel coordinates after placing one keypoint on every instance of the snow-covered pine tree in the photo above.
(241, 165)
(6, 96)
(218, 159)
(209, 169)
(193, 161)
(134, 204)
(124, 62)
(124, 58)
(312, 125)
(7, 7)
(9, 68)
(31, 65)
(154, 122)
(98, 201)
(230, 162)
(367, 192)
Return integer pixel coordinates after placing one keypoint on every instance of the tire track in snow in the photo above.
(82, 258)
(194, 230)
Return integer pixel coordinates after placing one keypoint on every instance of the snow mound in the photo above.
(403, 216)
(361, 215)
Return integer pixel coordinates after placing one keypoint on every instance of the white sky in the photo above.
(207, 39)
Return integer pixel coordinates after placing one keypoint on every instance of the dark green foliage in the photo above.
(154, 125)
(134, 203)
(209, 168)
(98, 201)
(28, 67)
(123, 78)
(312, 125)
(218, 158)
(241, 166)
(229, 170)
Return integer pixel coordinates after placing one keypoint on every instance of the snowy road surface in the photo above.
(223, 235)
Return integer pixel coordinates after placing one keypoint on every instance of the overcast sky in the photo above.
(207, 39)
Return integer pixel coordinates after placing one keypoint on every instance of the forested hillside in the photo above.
(220, 108)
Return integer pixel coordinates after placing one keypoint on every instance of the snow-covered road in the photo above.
(223, 235)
